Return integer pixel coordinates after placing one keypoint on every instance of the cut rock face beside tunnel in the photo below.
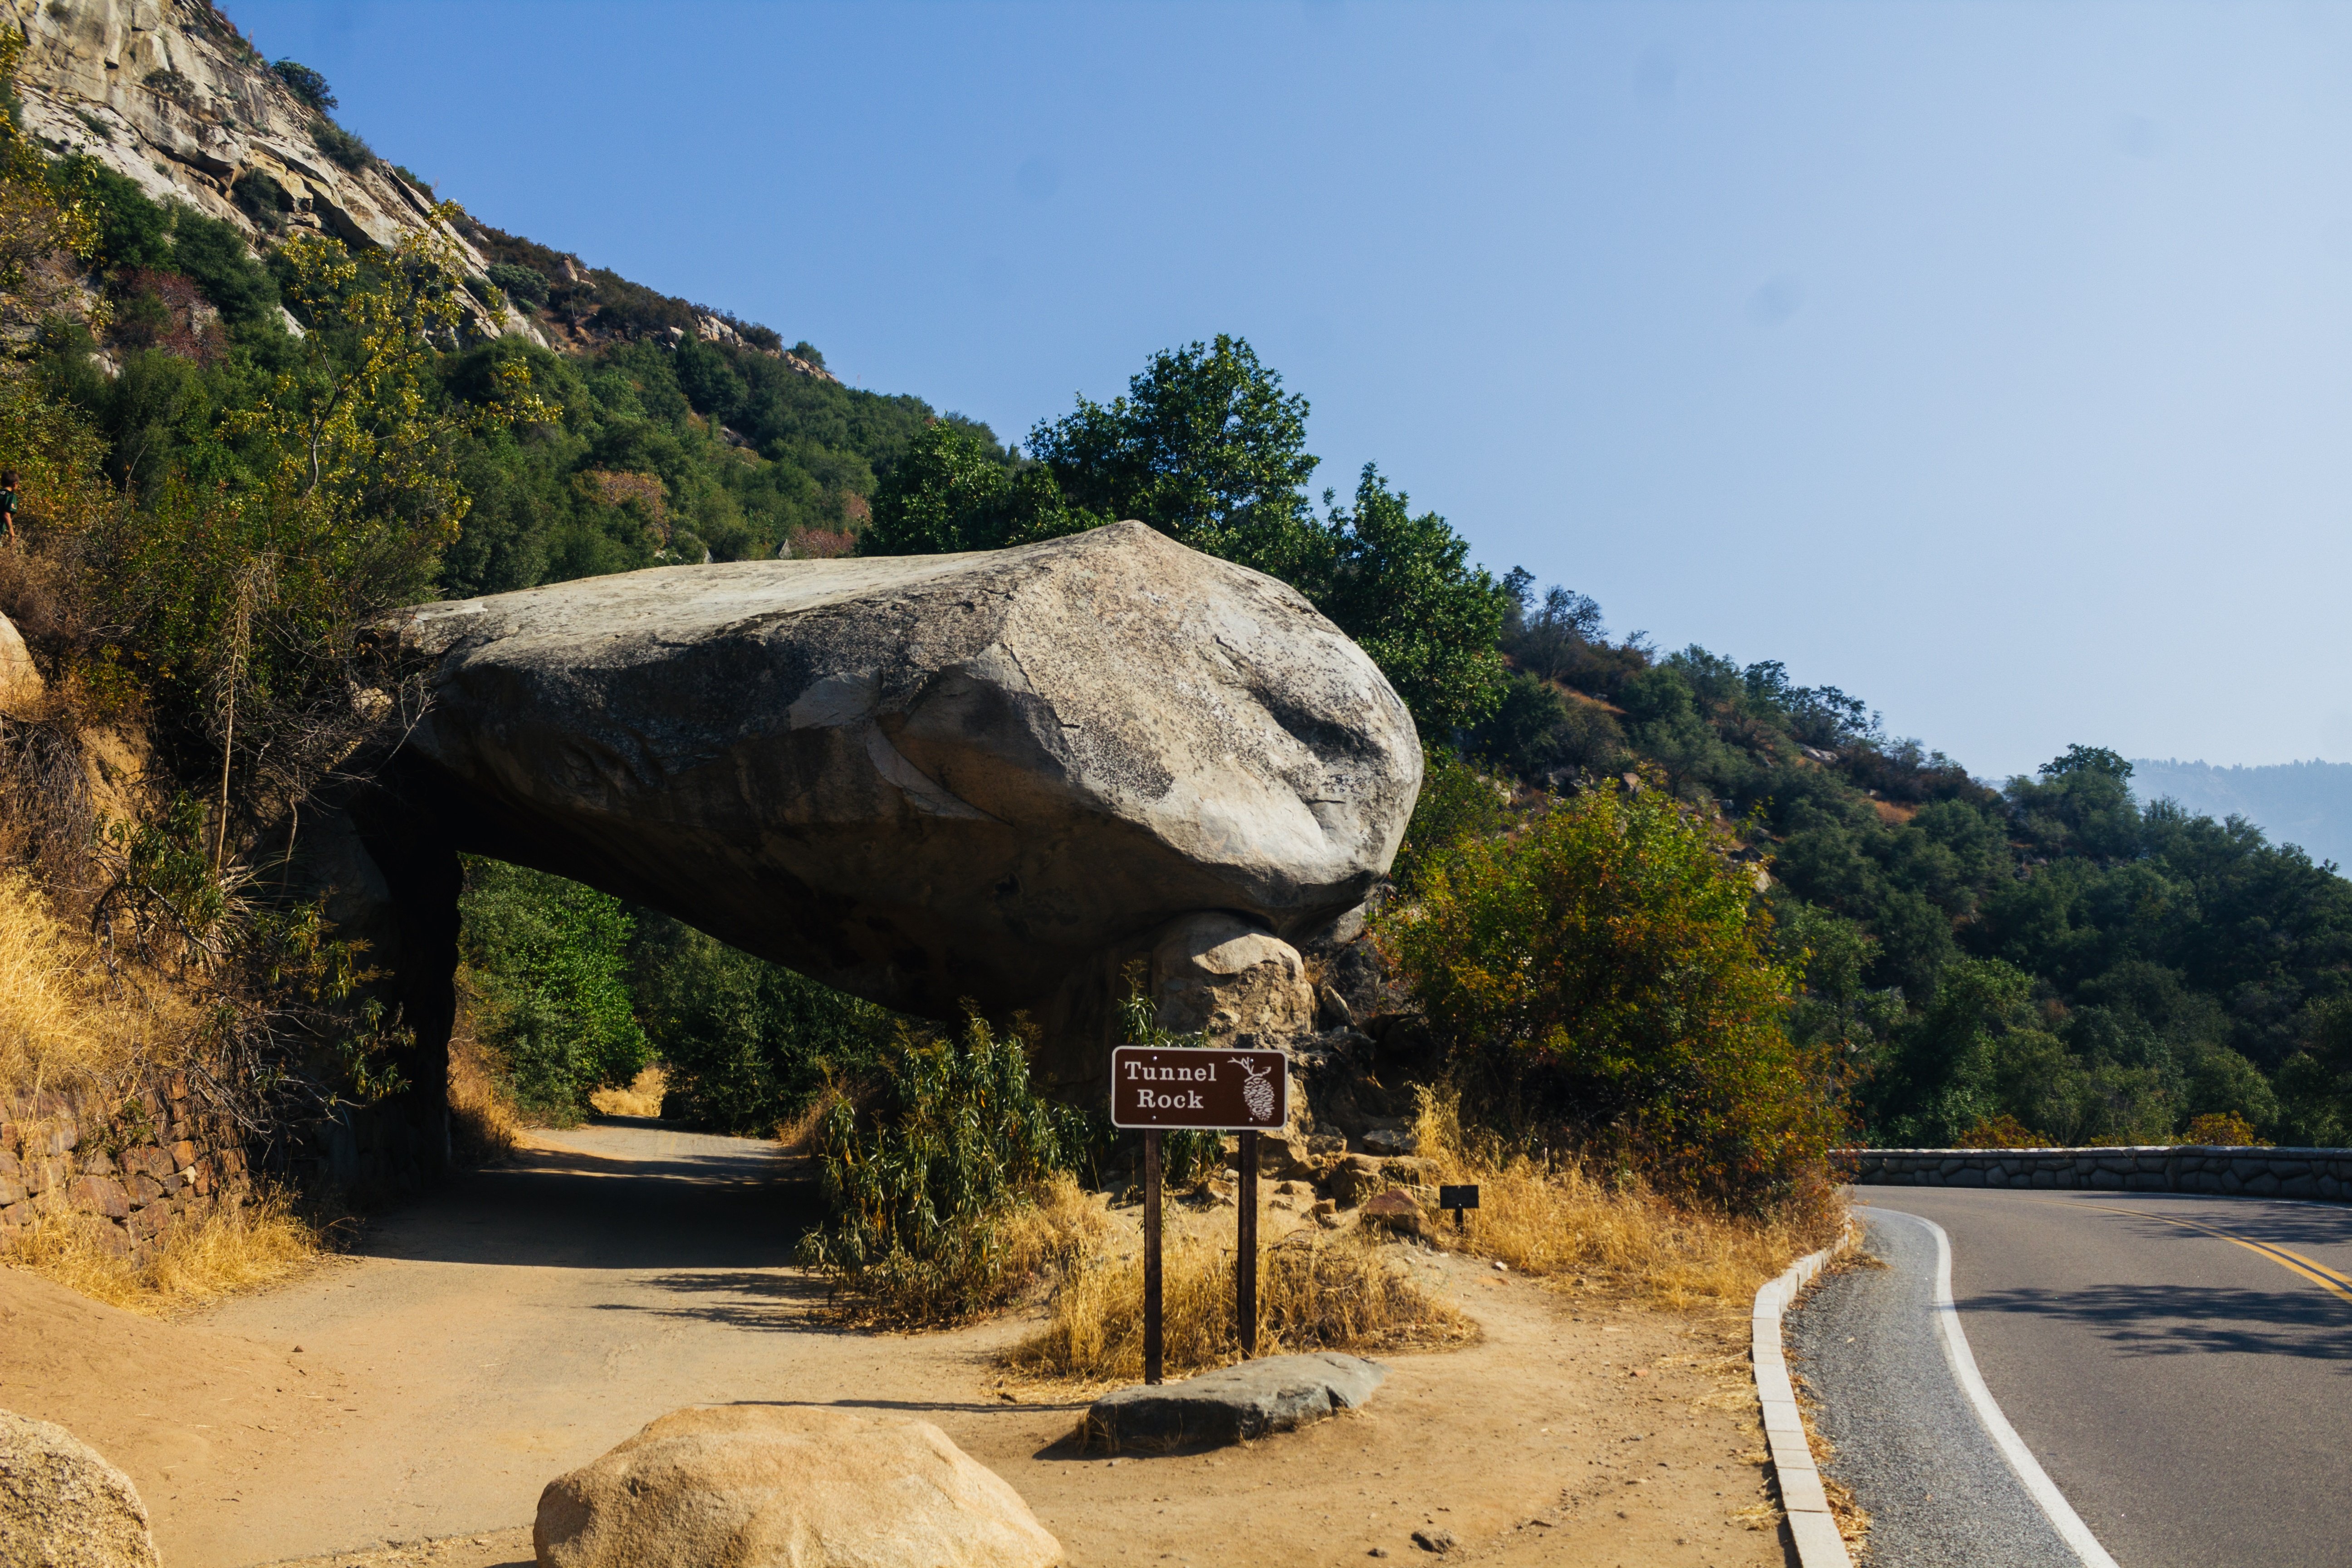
(994, 777)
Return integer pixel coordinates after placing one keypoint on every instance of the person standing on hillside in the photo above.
(8, 502)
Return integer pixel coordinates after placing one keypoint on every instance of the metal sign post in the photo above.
(1245, 1257)
(1151, 1348)
(1154, 1087)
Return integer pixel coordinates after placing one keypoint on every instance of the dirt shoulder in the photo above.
(525, 1320)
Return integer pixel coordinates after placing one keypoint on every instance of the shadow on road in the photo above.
(762, 1300)
(2283, 1224)
(2191, 1320)
(594, 1197)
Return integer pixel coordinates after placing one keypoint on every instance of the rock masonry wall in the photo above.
(2189, 1168)
(162, 1161)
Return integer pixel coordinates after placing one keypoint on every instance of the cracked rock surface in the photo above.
(991, 776)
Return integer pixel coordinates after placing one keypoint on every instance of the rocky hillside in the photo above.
(168, 94)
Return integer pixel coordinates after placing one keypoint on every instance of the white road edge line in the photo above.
(1963, 1363)
(1811, 1527)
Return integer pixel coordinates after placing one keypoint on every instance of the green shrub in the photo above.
(132, 230)
(924, 1181)
(2225, 1129)
(525, 285)
(956, 489)
(547, 962)
(215, 256)
(2002, 1132)
(748, 1045)
(262, 198)
(1614, 969)
(306, 84)
(342, 146)
(1457, 804)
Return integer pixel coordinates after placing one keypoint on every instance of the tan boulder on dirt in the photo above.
(63, 1506)
(764, 1486)
(20, 681)
(995, 775)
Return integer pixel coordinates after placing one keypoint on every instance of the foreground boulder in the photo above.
(20, 681)
(997, 776)
(1234, 1403)
(62, 1506)
(761, 1486)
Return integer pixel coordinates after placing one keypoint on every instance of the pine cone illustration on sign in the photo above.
(1257, 1094)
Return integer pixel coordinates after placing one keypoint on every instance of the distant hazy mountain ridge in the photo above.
(2309, 804)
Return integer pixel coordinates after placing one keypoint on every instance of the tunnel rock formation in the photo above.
(994, 776)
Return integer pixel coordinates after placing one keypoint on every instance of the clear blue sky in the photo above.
(1992, 362)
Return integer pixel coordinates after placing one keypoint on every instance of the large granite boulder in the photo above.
(996, 776)
(63, 1506)
(762, 1485)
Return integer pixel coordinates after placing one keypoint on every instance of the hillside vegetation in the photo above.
(2050, 950)
(1670, 909)
(1949, 951)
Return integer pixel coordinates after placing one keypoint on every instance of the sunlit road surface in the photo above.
(2181, 1366)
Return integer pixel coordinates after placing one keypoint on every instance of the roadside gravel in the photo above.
(1908, 1444)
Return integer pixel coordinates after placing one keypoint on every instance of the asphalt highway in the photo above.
(2182, 1368)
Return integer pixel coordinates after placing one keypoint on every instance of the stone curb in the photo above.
(1819, 1544)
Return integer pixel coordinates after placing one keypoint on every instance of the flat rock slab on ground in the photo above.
(1234, 1403)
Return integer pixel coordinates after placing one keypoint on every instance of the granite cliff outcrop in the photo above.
(168, 94)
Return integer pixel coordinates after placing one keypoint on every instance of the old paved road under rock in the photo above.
(518, 1322)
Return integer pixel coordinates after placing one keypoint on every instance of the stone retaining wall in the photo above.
(152, 1163)
(2186, 1168)
(160, 1157)
(366, 1154)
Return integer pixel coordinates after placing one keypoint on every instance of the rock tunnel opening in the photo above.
(995, 779)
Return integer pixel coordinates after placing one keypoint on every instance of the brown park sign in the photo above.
(1229, 1091)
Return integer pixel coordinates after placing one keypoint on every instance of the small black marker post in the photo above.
(1461, 1200)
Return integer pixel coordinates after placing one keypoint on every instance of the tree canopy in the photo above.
(1207, 447)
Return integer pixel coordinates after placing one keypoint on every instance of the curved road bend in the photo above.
(2181, 1366)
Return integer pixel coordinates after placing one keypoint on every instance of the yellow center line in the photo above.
(2294, 1262)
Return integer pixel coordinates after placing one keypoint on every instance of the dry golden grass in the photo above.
(1061, 1221)
(1034, 1239)
(484, 1128)
(222, 1253)
(65, 1021)
(642, 1097)
(1558, 1222)
(1315, 1293)
(798, 1134)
